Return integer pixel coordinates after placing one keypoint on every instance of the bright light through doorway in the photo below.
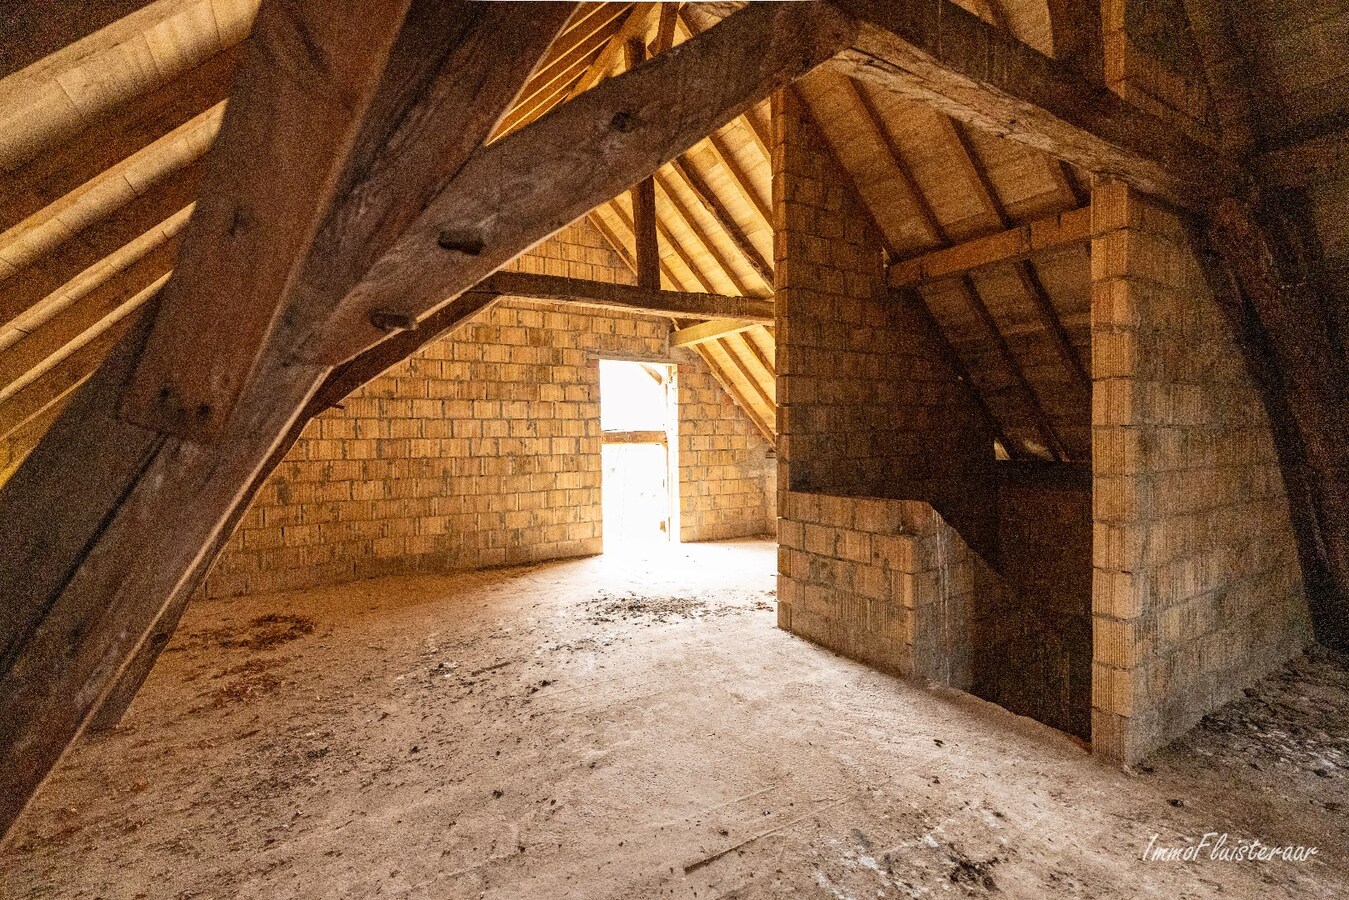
(637, 419)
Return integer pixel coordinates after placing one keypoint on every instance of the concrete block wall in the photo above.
(484, 449)
(873, 434)
(1197, 588)
(727, 476)
(887, 582)
(1033, 621)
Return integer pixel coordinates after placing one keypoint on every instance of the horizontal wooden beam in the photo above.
(627, 297)
(710, 331)
(634, 437)
(533, 182)
(1320, 158)
(1012, 245)
(936, 53)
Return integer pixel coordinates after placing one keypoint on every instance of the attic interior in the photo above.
(720, 449)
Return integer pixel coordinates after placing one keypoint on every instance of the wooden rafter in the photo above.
(339, 384)
(970, 292)
(732, 391)
(674, 205)
(967, 288)
(45, 341)
(753, 380)
(23, 291)
(1025, 270)
(935, 53)
(708, 198)
(569, 58)
(50, 176)
(937, 339)
(733, 168)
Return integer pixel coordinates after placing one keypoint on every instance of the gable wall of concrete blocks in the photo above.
(484, 450)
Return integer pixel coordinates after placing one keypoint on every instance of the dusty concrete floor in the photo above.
(640, 729)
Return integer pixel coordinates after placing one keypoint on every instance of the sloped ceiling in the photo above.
(100, 156)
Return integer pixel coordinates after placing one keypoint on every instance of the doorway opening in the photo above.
(638, 422)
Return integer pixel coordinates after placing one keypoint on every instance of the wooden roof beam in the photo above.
(708, 198)
(47, 340)
(633, 298)
(27, 287)
(52, 175)
(643, 196)
(1025, 270)
(934, 52)
(676, 206)
(710, 330)
(636, 122)
(970, 292)
(768, 430)
(126, 494)
(1050, 233)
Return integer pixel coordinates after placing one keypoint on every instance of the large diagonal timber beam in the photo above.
(420, 130)
(107, 520)
(141, 511)
(934, 52)
(1265, 278)
(339, 384)
(529, 184)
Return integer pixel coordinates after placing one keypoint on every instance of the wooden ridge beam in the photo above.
(632, 124)
(936, 53)
(633, 298)
(1012, 245)
(51, 175)
(709, 330)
